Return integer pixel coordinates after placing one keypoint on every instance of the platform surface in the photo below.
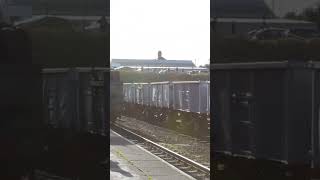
(129, 161)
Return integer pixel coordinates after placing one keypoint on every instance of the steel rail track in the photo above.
(192, 168)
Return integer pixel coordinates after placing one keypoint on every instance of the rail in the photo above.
(190, 167)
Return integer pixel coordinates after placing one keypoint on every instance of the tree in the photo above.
(291, 15)
(308, 14)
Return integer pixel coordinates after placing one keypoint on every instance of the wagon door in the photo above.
(194, 97)
(131, 93)
(154, 94)
(241, 118)
(204, 99)
(166, 95)
(146, 94)
(138, 94)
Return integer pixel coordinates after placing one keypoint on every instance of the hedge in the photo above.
(133, 76)
(234, 49)
(55, 43)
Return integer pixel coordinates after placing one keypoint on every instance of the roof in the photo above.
(166, 68)
(259, 20)
(152, 63)
(38, 18)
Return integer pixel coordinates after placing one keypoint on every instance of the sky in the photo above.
(281, 7)
(179, 28)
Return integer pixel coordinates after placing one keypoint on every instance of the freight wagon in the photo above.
(53, 120)
(78, 106)
(180, 105)
(266, 120)
(115, 99)
(56, 122)
(78, 98)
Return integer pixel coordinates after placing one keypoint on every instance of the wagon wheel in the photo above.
(164, 117)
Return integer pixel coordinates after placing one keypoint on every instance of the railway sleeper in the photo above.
(185, 168)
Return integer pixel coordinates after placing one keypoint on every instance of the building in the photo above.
(151, 63)
(159, 64)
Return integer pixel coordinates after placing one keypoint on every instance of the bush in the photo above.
(236, 49)
(133, 76)
(71, 7)
(55, 43)
(53, 49)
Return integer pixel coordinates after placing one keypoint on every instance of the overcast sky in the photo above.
(179, 28)
(281, 7)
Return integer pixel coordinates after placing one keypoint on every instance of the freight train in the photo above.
(266, 120)
(78, 107)
(20, 104)
(183, 106)
(58, 124)
(53, 120)
(78, 98)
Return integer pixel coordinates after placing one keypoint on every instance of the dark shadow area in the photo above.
(29, 141)
(116, 168)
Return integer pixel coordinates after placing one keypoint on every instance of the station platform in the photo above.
(129, 161)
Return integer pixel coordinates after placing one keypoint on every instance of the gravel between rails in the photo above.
(187, 146)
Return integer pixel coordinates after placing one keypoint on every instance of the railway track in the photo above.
(194, 169)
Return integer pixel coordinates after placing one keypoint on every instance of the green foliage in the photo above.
(134, 76)
(54, 49)
(308, 14)
(56, 43)
(70, 7)
(237, 49)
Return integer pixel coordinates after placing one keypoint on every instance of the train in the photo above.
(78, 108)
(55, 116)
(183, 106)
(62, 115)
(78, 98)
(266, 120)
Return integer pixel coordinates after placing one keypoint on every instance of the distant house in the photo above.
(149, 63)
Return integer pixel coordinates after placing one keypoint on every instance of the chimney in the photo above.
(159, 55)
